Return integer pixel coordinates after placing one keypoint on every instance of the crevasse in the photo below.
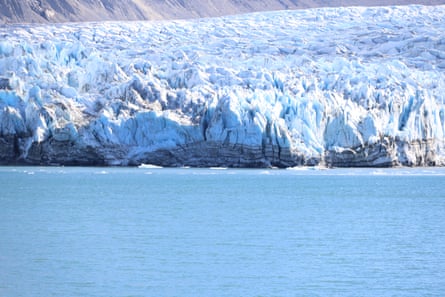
(332, 86)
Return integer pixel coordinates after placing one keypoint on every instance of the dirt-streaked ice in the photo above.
(334, 86)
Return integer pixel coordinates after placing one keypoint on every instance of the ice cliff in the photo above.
(331, 86)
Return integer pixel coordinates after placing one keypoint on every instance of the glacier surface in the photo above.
(332, 86)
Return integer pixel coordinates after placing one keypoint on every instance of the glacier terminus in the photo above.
(335, 87)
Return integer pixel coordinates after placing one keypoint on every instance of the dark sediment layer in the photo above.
(387, 153)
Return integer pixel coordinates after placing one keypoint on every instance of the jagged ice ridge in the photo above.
(331, 86)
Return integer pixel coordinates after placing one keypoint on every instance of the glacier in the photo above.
(336, 87)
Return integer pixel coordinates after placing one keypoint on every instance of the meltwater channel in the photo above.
(202, 232)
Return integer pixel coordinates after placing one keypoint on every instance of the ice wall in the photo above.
(332, 86)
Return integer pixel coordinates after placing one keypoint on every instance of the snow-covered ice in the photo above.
(336, 86)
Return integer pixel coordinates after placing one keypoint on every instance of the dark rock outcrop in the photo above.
(43, 11)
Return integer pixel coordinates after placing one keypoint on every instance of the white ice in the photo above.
(312, 80)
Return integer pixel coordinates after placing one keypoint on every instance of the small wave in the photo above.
(379, 172)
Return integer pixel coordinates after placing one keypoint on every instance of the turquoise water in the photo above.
(202, 232)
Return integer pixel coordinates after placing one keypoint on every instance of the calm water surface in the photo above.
(202, 232)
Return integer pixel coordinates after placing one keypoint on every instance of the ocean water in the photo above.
(208, 232)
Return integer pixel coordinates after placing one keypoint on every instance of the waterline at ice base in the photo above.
(340, 87)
